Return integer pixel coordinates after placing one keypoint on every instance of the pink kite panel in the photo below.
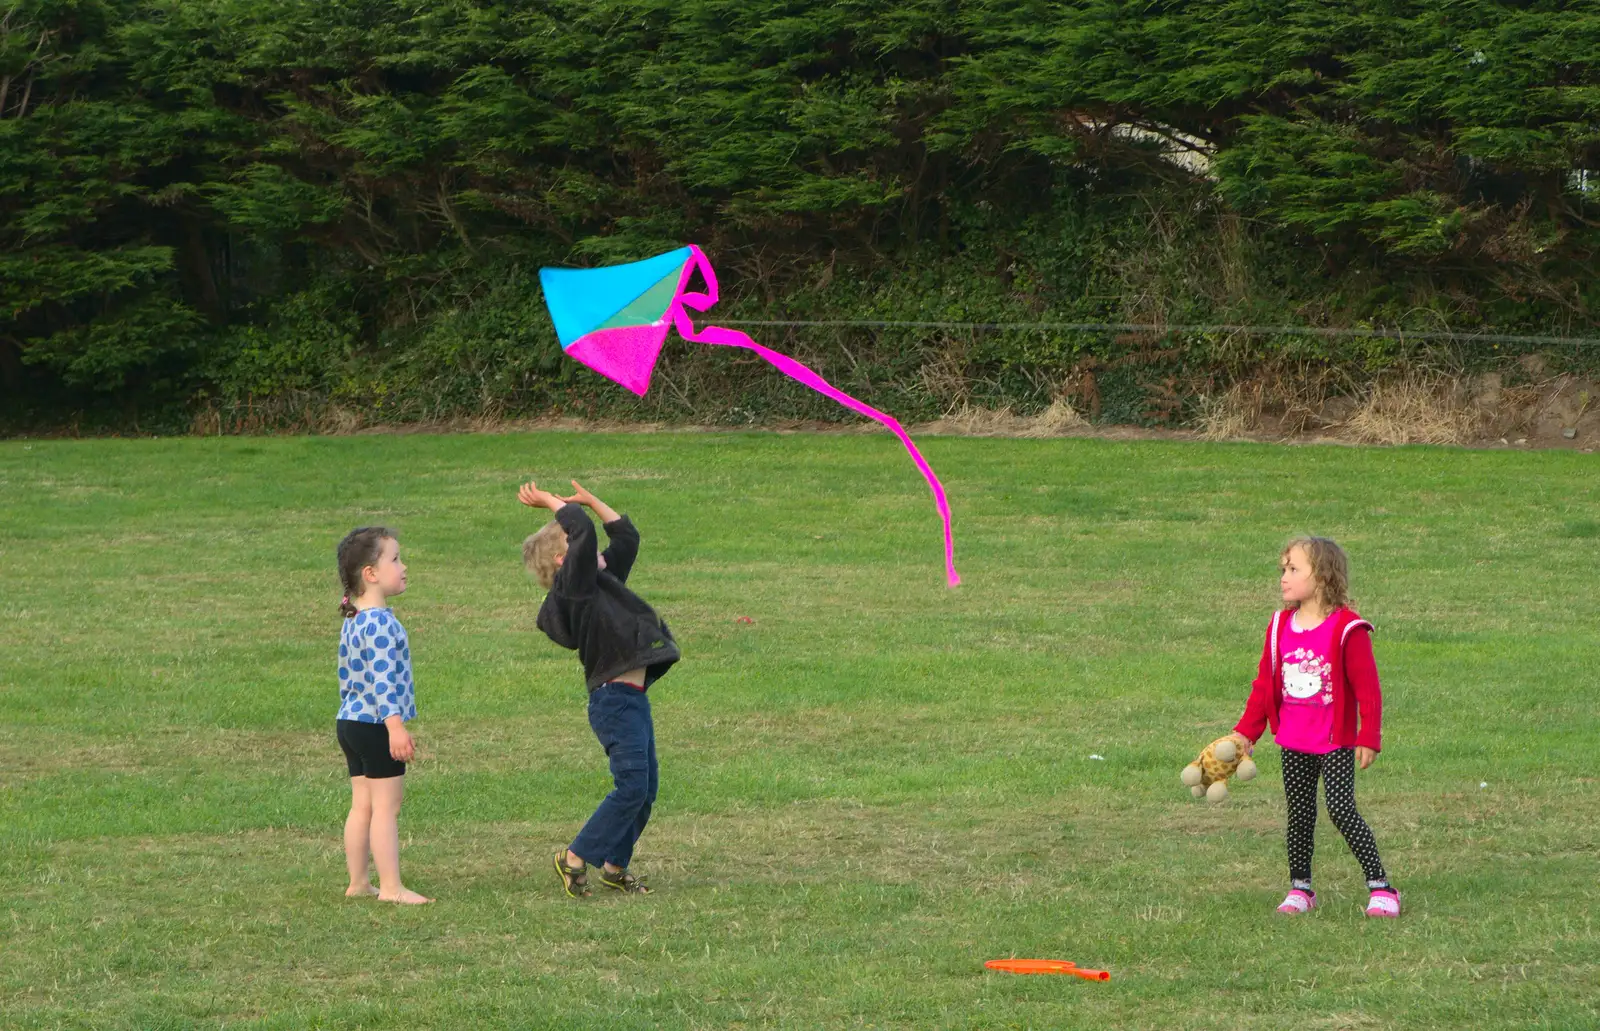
(625, 354)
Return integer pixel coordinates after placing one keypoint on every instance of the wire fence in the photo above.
(1166, 329)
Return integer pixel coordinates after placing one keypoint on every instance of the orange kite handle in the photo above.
(1045, 966)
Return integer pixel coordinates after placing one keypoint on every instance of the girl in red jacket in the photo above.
(1318, 689)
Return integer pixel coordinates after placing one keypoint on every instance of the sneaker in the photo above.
(1297, 902)
(1384, 902)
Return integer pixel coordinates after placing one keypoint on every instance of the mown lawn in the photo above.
(867, 791)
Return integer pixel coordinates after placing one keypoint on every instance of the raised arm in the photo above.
(623, 546)
(578, 570)
(582, 564)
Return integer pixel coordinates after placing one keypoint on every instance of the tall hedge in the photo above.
(275, 203)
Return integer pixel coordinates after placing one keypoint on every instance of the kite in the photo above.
(615, 319)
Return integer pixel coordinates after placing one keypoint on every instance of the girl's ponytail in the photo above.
(359, 549)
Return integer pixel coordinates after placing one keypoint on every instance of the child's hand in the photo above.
(533, 497)
(1364, 756)
(582, 496)
(401, 746)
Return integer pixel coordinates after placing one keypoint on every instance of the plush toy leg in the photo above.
(1192, 775)
(1217, 791)
(1246, 770)
(1197, 791)
(1225, 750)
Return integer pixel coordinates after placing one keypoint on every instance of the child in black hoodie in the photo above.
(624, 647)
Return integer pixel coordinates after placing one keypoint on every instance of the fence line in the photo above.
(1162, 330)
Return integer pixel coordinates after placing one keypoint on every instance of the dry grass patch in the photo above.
(1231, 414)
(1411, 409)
(1414, 409)
(1287, 402)
(972, 421)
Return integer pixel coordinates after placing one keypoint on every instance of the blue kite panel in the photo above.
(580, 299)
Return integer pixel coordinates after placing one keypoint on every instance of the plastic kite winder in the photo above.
(615, 320)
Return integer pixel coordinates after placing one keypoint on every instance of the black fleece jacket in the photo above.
(591, 609)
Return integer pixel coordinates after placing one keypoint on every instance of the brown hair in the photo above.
(540, 551)
(1330, 567)
(359, 549)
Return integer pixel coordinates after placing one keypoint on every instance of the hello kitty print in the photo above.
(1305, 712)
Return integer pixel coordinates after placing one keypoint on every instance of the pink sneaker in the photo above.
(1384, 902)
(1297, 902)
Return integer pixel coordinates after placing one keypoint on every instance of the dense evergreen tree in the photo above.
(216, 200)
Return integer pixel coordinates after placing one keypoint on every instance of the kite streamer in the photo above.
(615, 321)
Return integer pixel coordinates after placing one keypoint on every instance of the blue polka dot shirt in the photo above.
(375, 668)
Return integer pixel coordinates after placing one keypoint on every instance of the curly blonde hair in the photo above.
(1330, 568)
(541, 550)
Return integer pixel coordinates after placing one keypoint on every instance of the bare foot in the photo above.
(407, 897)
(356, 891)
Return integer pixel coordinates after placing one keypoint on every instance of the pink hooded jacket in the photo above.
(1355, 684)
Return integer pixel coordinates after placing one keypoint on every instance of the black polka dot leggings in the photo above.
(1338, 772)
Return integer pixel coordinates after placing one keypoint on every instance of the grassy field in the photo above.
(867, 791)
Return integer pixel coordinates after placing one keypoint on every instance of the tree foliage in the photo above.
(204, 197)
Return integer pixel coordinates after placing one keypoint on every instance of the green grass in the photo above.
(869, 790)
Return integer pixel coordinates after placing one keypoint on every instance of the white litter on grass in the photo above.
(1482, 784)
(1100, 758)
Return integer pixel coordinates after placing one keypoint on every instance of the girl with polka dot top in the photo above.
(1318, 689)
(375, 701)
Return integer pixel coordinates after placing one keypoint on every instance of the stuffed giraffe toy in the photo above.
(1207, 777)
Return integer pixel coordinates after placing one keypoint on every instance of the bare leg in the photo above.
(573, 859)
(356, 829)
(387, 793)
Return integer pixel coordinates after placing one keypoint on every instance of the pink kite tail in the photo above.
(795, 370)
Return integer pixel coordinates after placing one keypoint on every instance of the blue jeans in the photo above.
(620, 717)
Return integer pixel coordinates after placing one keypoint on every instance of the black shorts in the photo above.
(366, 750)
